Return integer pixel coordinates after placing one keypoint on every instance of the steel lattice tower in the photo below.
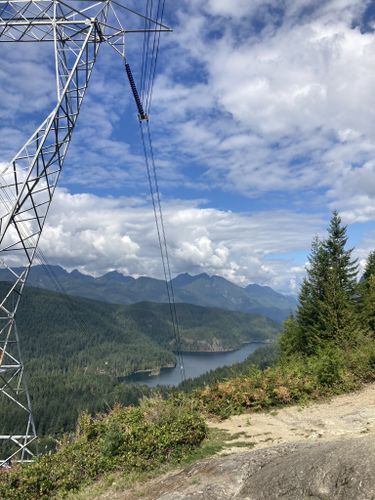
(28, 183)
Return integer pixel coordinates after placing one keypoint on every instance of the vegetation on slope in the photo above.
(327, 348)
(76, 352)
(126, 439)
(64, 333)
(202, 329)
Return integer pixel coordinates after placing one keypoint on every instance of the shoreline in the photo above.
(151, 372)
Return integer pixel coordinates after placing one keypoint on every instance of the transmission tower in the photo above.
(76, 30)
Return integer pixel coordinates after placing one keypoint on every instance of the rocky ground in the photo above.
(320, 451)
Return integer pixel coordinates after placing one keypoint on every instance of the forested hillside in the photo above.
(76, 350)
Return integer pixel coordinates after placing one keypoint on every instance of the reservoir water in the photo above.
(195, 364)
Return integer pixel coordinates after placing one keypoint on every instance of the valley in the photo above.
(81, 351)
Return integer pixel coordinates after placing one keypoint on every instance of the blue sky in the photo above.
(263, 122)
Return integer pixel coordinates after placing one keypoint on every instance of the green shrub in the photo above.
(328, 365)
(126, 438)
(296, 378)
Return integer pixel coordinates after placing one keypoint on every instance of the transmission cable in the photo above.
(153, 73)
(162, 240)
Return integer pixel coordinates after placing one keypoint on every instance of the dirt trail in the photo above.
(346, 415)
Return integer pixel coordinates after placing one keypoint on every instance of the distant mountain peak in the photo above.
(201, 289)
(184, 279)
(115, 275)
(203, 276)
(78, 276)
(255, 286)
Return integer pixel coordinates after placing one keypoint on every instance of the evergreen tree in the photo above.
(370, 266)
(338, 319)
(290, 340)
(344, 268)
(326, 312)
(312, 296)
(367, 294)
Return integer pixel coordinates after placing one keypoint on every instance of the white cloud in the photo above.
(256, 98)
(354, 192)
(284, 110)
(99, 234)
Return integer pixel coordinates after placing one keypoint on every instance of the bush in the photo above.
(295, 379)
(328, 365)
(126, 438)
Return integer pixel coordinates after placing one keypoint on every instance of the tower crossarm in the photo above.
(36, 20)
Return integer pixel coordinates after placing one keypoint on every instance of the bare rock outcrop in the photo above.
(340, 469)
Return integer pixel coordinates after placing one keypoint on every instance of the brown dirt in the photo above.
(346, 415)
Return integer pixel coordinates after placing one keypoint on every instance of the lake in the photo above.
(195, 364)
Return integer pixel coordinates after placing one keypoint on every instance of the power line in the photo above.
(162, 239)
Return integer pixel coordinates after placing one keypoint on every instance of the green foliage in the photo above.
(78, 351)
(58, 398)
(326, 312)
(370, 266)
(290, 339)
(125, 439)
(340, 259)
(366, 303)
(294, 379)
(329, 366)
(203, 328)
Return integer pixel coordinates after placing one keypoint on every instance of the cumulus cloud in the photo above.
(354, 193)
(286, 109)
(97, 234)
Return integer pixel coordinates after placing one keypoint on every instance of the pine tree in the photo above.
(367, 294)
(340, 260)
(290, 340)
(326, 312)
(311, 296)
(338, 319)
(370, 266)
(368, 304)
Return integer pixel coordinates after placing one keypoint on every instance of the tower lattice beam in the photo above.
(29, 182)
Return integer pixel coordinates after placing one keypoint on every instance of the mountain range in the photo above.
(202, 290)
(62, 332)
